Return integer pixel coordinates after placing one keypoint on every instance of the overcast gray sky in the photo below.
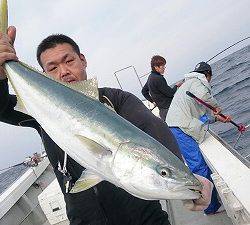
(114, 34)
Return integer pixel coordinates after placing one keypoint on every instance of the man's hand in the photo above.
(206, 193)
(217, 111)
(7, 51)
(178, 84)
(222, 119)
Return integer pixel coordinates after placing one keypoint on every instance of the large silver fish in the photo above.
(96, 137)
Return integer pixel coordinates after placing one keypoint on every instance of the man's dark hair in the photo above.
(52, 41)
(203, 68)
(157, 60)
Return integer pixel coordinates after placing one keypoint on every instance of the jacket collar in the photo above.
(156, 73)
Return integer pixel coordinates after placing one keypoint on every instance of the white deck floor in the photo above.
(178, 215)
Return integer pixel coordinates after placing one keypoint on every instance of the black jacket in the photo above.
(157, 90)
(106, 203)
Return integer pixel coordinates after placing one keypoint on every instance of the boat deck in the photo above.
(178, 215)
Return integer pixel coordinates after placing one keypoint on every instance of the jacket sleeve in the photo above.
(145, 92)
(132, 109)
(165, 89)
(202, 92)
(7, 112)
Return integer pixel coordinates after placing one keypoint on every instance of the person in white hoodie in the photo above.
(187, 120)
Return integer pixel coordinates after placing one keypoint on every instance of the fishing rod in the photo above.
(240, 127)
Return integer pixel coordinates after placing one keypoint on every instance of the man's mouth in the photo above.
(69, 79)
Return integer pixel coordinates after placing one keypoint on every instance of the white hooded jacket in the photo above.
(185, 112)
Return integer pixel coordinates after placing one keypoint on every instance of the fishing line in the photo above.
(245, 127)
(227, 48)
(239, 136)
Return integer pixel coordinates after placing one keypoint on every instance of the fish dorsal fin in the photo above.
(87, 180)
(87, 87)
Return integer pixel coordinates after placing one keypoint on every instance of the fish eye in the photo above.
(165, 172)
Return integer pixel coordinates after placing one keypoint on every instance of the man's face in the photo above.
(64, 64)
(209, 77)
(160, 69)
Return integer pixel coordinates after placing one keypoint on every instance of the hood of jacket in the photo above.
(199, 76)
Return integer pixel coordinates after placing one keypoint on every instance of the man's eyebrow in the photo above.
(53, 62)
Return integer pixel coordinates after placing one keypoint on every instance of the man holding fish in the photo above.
(103, 202)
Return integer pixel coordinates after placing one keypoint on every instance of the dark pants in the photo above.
(163, 114)
(110, 205)
(125, 209)
(84, 208)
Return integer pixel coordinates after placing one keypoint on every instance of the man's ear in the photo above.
(156, 68)
(83, 59)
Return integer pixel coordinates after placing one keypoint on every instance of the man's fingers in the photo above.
(217, 111)
(228, 119)
(8, 48)
(193, 206)
(206, 193)
(12, 34)
(188, 204)
(202, 201)
(7, 51)
(223, 119)
(7, 56)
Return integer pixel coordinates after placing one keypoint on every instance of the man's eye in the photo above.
(69, 61)
(52, 68)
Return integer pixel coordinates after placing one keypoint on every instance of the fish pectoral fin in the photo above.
(20, 106)
(86, 181)
(94, 147)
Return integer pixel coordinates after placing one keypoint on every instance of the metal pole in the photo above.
(137, 76)
(145, 74)
(115, 73)
(118, 80)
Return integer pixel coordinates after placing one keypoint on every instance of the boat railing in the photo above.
(231, 149)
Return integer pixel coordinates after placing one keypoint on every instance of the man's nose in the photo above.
(63, 71)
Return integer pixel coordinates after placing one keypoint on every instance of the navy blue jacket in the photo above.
(157, 90)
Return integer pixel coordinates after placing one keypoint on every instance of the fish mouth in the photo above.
(194, 188)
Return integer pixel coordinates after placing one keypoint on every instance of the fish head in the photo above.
(147, 175)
